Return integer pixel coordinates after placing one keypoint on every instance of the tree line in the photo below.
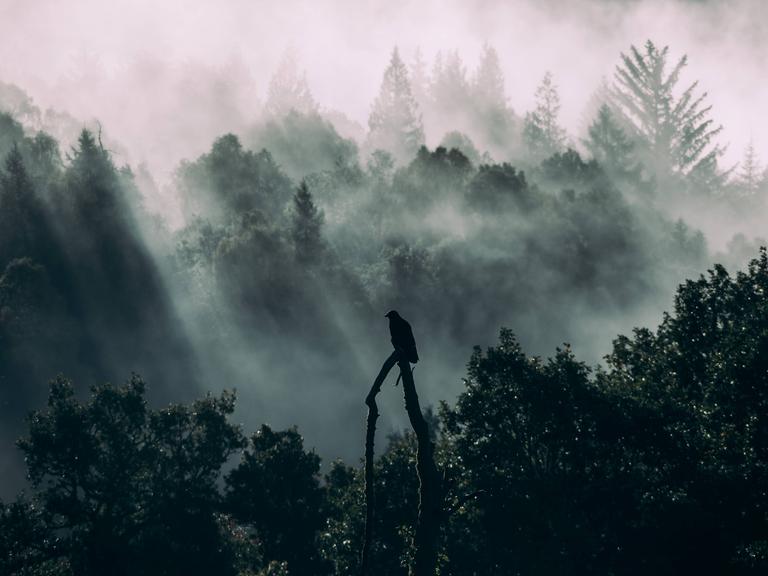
(655, 462)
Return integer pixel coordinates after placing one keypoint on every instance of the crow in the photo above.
(402, 336)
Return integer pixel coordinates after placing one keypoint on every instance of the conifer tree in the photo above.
(307, 224)
(542, 132)
(488, 83)
(451, 91)
(609, 144)
(18, 212)
(750, 177)
(495, 119)
(288, 89)
(419, 80)
(675, 130)
(395, 122)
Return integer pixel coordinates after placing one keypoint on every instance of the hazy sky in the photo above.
(57, 48)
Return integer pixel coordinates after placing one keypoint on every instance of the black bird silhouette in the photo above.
(402, 336)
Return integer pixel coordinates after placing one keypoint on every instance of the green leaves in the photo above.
(122, 481)
(275, 491)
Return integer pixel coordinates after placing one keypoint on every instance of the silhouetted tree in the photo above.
(306, 226)
(531, 434)
(129, 490)
(20, 210)
(275, 490)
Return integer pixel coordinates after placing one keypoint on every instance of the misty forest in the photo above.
(187, 348)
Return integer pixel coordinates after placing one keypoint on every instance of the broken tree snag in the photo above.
(427, 533)
(370, 432)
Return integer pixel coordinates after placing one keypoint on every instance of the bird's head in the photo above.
(392, 314)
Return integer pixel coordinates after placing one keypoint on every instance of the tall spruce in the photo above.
(609, 144)
(307, 224)
(395, 122)
(19, 212)
(495, 120)
(674, 127)
(542, 133)
(751, 177)
(419, 79)
(289, 90)
(451, 93)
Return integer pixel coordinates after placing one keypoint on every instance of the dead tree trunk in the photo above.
(427, 531)
(370, 432)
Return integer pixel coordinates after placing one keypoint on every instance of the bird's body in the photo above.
(402, 336)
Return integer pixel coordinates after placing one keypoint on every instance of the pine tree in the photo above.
(395, 123)
(307, 224)
(609, 144)
(495, 119)
(419, 79)
(542, 132)
(288, 89)
(488, 83)
(676, 130)
(750, 177)
(451, 92)
(17, 209)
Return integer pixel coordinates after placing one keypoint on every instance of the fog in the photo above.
(196, 277)
(119, 61)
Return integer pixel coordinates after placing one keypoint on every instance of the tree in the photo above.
(450, 87)
(451, 94)
(495, 119)
(230, 181)
(675, 130)
(419, 80)
(306, 226)
(542, 133)
(538, 444)
(395, 123)
(700, 392)
(432, 177)
(750, 178)
(488, 82)
(275, 490)
(303, 144)
(130, 490)
(20, 212)
(463, 143)
(288, 89)
(609, 144)
(11, 134)
(499, 187)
